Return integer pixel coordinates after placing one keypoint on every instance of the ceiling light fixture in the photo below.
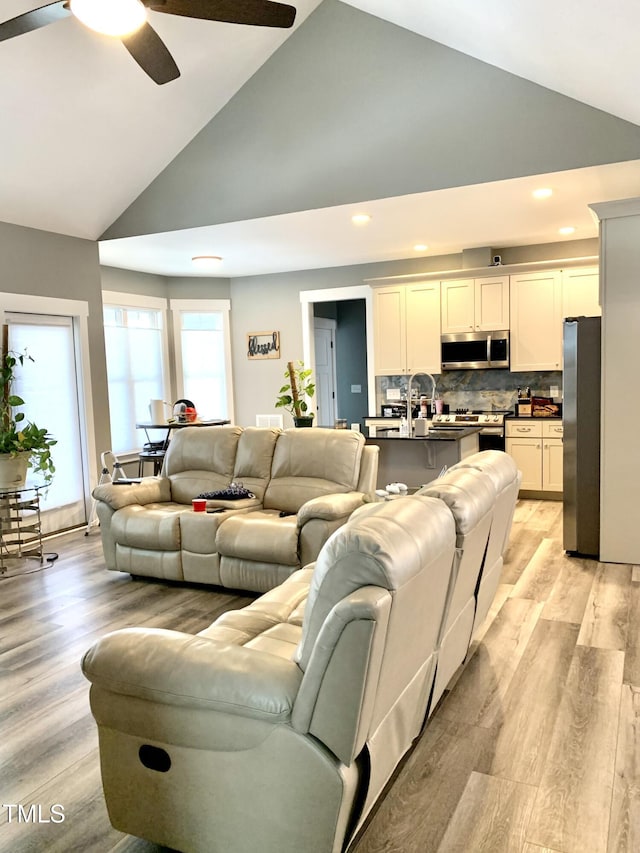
(206, 262)
(420, 247)
(543, 192)
(568, 229)
(361, 219)
(110, 17)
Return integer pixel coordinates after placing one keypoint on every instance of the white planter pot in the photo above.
(13, 471)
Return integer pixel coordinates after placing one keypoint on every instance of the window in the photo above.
(203, 356)
(135, 344)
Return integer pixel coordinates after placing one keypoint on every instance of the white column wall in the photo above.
(620, 459)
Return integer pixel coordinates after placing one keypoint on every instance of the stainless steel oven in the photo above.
(491, 435)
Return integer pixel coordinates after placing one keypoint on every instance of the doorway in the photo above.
(365, 389)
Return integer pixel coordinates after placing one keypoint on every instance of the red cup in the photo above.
(199, 504)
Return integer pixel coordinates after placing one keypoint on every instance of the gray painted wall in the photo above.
(272, 302)
(130, 281)
(164, 287)
(353, 108)
(40, 263)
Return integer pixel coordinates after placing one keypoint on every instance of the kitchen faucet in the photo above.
(433, 397)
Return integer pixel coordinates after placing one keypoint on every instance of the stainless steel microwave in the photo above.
(475, 350)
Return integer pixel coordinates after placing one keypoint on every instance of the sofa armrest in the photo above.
(172, 668)
(330, 507)
(148, 490)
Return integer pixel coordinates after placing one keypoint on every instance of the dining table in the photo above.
(168, 426)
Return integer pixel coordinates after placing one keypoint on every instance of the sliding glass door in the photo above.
(49, 386)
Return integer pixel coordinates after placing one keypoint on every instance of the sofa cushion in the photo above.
(308, 463)
(469, 497)
(198, 530)
(506, 478)
(376, 547)
(200, 459)
(260, 535)
(254, 457)
(155, 527)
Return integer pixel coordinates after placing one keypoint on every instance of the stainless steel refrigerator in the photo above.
(581, 439)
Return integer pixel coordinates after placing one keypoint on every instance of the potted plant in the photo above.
(293, 393)
(22, 443)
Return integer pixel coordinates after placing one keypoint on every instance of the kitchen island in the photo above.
(417, 460)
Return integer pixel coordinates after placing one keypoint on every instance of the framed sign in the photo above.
(263, 345)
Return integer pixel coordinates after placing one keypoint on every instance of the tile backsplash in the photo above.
(474, 389)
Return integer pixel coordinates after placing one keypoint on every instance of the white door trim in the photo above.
(79, 311)
(340, 294)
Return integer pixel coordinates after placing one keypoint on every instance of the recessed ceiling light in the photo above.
(420, 247)
(542, 192)
(361, 219)
(568, 229)
(206, 262)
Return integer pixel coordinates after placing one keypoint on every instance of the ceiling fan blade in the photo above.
(257, 13)
(151, 54)
(48, 14)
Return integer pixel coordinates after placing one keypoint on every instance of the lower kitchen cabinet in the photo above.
(536, 446)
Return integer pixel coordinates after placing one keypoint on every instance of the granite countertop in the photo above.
(434, 434)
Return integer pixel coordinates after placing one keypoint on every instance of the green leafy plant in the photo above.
(17, 435)
(300, 386)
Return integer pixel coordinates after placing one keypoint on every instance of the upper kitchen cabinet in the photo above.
(581, 292)
(536, 321)
(475, 304)
(390, 330)
(406, 322)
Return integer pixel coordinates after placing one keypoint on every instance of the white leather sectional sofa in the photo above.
(305, 482)
(276, 728)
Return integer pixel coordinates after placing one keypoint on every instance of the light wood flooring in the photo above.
(535, 749)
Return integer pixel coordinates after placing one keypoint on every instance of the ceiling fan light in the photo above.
(110, 17)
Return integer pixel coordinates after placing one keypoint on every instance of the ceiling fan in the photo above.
(127, 20)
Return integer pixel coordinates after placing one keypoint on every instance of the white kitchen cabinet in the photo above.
(458, 305)
(536, 447)
(480, 304)
(423, 326)
(536, 321)
(527, 455)
(552, 453)
(406, 322)
(389, 330)
(581, 292)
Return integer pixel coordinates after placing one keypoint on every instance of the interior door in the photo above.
(325, 371)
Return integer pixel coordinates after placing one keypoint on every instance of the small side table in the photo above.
(20, 527)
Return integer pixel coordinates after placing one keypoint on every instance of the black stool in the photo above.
(152, 451)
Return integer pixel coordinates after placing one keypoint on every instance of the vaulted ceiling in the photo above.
(85, 132)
